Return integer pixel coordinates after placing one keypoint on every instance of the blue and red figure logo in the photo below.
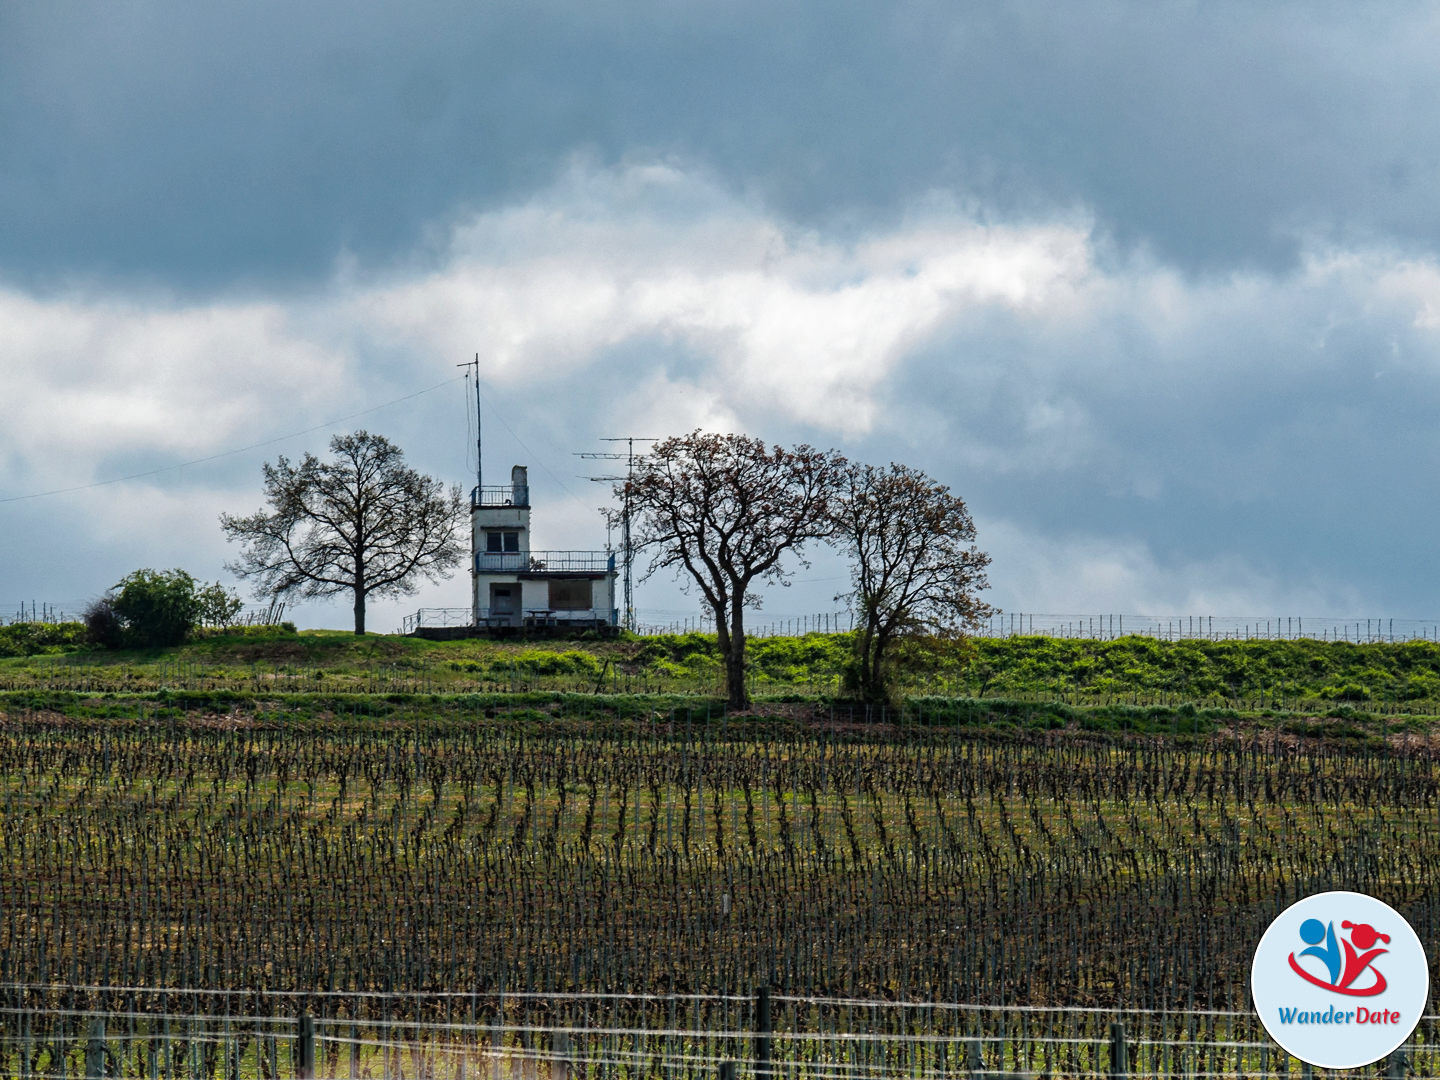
(1358, 956)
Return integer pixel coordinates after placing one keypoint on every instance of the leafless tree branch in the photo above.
(364, 523)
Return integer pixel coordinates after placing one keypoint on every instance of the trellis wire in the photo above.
(440, 1051)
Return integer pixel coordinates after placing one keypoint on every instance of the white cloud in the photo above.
(1079, 573)
(649, 299)
(88, 379)
(810, 328)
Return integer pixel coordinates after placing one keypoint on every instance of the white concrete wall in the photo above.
(499, 517)
(603, 596)
(535, 594)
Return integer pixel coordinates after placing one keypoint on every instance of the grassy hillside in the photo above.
(1205, 671)
(339, 661)
(1253, 675)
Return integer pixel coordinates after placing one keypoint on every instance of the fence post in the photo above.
(560, 1061)
(305, 1061)
(95, 1050)
(1398, 1065)
(1119, 1052)
(762, 1033)
(974, 1060)
(727, 1070)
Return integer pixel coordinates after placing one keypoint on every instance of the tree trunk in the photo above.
(873, 688)
(722, 632)
(737, 697)
(359, 612)
(865, 651)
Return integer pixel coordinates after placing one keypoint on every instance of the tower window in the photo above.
(568, 595)
(502, 541)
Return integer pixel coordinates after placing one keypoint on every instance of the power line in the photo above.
(228, 453)
(499, 414)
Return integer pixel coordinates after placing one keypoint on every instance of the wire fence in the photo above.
(1107, 627)
(824, 622)
(33, 611)
(1101, 627)
(73, 1032)
(821, 622)
(47, 614)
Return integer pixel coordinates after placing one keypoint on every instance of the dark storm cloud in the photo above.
(1157, 288)
(1285, 419)
(209, 145)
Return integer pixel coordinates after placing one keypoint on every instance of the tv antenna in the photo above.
(467, 366)
(627, 548)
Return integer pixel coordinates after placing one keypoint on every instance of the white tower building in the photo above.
(519, 586)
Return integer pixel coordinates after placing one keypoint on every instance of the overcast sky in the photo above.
(1155, 288)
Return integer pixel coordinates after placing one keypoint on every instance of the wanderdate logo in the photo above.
(1342, 971)
(1322, 953)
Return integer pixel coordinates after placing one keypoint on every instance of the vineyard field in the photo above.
(1036, 867)
(573, 863)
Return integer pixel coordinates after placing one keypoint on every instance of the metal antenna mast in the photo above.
(467, 366)
(627, 548)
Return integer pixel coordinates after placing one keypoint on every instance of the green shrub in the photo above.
(103, 625)
(157, 607)
(230, 633)
(34, 638)
(540, 662)
(1348, 691)
(217, 605)
(669, 669)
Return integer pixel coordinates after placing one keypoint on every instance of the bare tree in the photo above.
(916, 568)
(725, 509)
(364, 523)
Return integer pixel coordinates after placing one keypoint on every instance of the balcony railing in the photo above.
(526, 617)
(544, 617)
(545, 562)
(438, 616)
(500, 495)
